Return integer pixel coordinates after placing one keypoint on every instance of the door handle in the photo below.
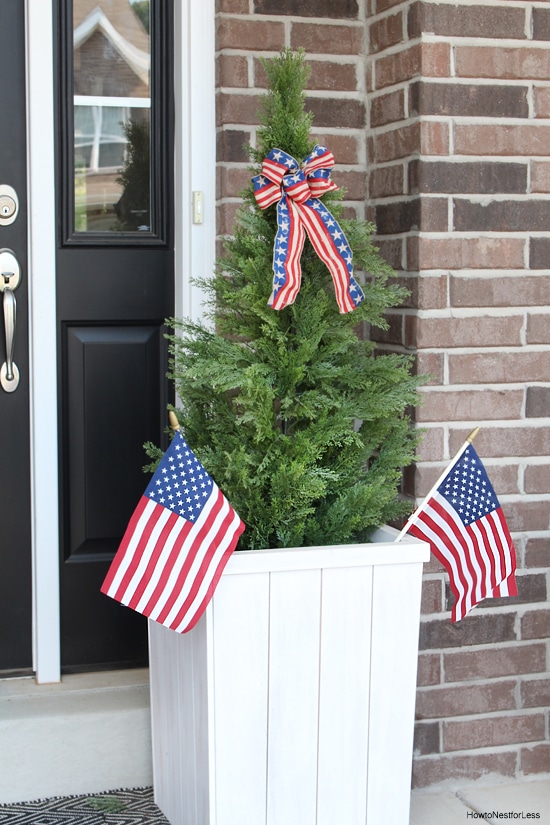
(10, 276)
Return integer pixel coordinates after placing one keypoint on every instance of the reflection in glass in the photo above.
(112, 159)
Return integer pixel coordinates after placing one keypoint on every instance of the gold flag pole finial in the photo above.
(472, 435)
(174, 423)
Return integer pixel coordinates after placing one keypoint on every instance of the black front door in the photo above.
(15, 519)
(114, 290)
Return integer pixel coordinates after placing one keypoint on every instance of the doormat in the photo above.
(124, 807)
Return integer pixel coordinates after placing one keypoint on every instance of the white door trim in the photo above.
(42, 345)
(195, 157)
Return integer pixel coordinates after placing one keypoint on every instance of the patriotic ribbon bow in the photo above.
(297, 190)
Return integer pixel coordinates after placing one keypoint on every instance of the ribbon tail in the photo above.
(289, 243)
(333, 249)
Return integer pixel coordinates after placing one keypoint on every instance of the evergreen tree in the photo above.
(303, 428)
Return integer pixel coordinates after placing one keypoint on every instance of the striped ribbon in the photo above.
(296, 189)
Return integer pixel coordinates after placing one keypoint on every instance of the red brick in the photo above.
(497, 730)
(475, 629)
(309, 8)
(327, 39)
(434, 214)
(425, 293)
(436, 59)
(537, 402)
(431, 447)
(469, 332)
(398, 143)
(468, 100)
(237, 108)
(426, 738)
(397, 67)
(413, 253)
(434, 138)
(541, 98)
(527, 515)
(500, 62)
(333, 112)
(332, 76)
(431, 366)
(540, 176)
(345, 148)
(386, 181)
(432, 596)
(536, 760)
(225, 218)
(231, 181)
(537, 478)
(232, 71)
(392, 251)
(236, 33)
(482, 177)
(537, 552)
(429, 670)
(471, 253)
(433, 770)
(354, 184)
(232, 6)
(388, 108)
(535, 624)
(499, 367)
(463, 700)
(393, 334)
(541, 24)
(470, 405)
(527, 290)
(503, 139)
(535, 693)
(466, 21)
(538, 329)
(231, 145)
(490, 663)
(384, 5)
(386, 31)
(503, 216)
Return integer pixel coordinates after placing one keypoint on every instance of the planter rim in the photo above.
(381, 550)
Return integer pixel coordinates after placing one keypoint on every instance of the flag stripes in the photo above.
(176, 545)
(465, 526)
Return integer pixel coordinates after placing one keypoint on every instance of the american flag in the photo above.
(177, 543)
(465, 526)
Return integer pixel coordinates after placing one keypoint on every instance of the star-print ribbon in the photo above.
(296, 189)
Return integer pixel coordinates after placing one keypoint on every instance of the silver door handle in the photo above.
(10, 275)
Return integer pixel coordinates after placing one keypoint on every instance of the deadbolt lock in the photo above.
(9, 205)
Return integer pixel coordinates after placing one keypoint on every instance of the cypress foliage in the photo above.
(304, 430)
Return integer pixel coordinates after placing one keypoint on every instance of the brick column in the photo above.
(459, 182)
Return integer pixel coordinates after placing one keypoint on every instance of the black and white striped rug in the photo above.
(125, 807)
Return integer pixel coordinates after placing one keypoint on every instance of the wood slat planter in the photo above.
(292, 701)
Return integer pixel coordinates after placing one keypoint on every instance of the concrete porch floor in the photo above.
(520, 801)
(91, 733)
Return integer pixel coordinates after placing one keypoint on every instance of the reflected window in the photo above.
(111, 115)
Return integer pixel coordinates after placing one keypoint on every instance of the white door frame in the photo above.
(195, 158)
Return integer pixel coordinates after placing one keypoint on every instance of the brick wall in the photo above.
(438, 118)
(459, 153)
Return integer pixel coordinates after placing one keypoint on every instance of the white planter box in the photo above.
(292, 701)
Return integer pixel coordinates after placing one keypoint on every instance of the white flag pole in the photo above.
(412, 518)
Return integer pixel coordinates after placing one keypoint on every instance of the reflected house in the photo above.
(111, 116)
